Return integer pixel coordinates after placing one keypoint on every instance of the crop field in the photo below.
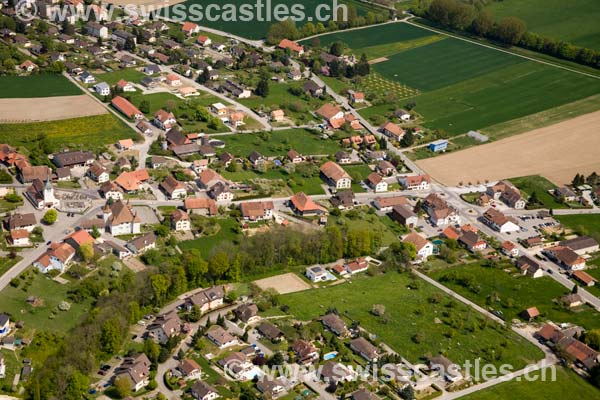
(88, 132)
(463, 86)
(48, 108)
(410, 326)
(360, 39)
(43, 85)
(258, 27)
(375, 83)
(556, 149)
(575, 21)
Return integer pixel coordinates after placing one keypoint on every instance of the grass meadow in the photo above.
(87, 132)
(575, 21)
(42, 85)
(504, 288)
(419, 321)
(567, 385)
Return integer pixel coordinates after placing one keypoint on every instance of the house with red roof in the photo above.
(126, 108)
(292, 46)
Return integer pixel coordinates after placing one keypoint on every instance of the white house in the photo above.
(87, 78)
(121, 219)
(377, 183)
(424, 247)
(316, 273)
(180, 221)
(102, 89)
(500, 222)
(335, 175)
(415, 182)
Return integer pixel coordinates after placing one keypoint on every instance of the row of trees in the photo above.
(457, 15)
(288, 30)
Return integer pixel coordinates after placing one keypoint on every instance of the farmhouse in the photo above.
(180, 221)
(303, 205)
(376, 182)
(439, 211)
(21, 221)
(173, 188)
(292, 46)
(73, 158)
(126, 108)
(581, 245)
(415, 182)
(584, 278)
(200, 206)
(500, 222)
(404, 215)
(392, 130)
(508, 193)
(386, 204)
(120, 219)
(220, 192)
(565, 257)
(257, 210)
(335, 175)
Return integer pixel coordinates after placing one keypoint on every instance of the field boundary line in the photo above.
(406, 21)
(356, 28)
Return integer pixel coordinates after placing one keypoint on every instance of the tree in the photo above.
(218, 265)
(95, 232)
(276, 359)
(407, 140)
(483, 24)
(129, 44)
(110, 337)
(262, 89)
(122, 386)
(86, 252)
(50, 217)
(151, 350)
(282, 30)
(337, 48)
(595, 376)
(145, 106)
(407, 392)
(77, 385)
(510, 30)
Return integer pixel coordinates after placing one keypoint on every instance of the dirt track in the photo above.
(48, 108)
(557, 152)
(284, 283)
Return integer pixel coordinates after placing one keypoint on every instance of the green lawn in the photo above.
(296, 108)
(46, 316)
(410, 312)
(575, 21)
(294, 181)
(388, 231)
(512, 293)
(87, 132)
(205, 244)
(258, 27)
(586, 224)
(43, 85)
(539, 185)
(278, 143)
(129, 74)
(567, 385)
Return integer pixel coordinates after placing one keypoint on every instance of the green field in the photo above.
(259, 25)
(540, 185)
(512, 293)
(410, 312)
(278, 143)
(586, 224)
(279, 178)
(567, 385)
(361, 39)
(575, 21)
(43, 85)
(205, 244)
(297, 108)
(464, 86)
(46, 316)
(129, 74)
(420, 67)
(87, 132)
